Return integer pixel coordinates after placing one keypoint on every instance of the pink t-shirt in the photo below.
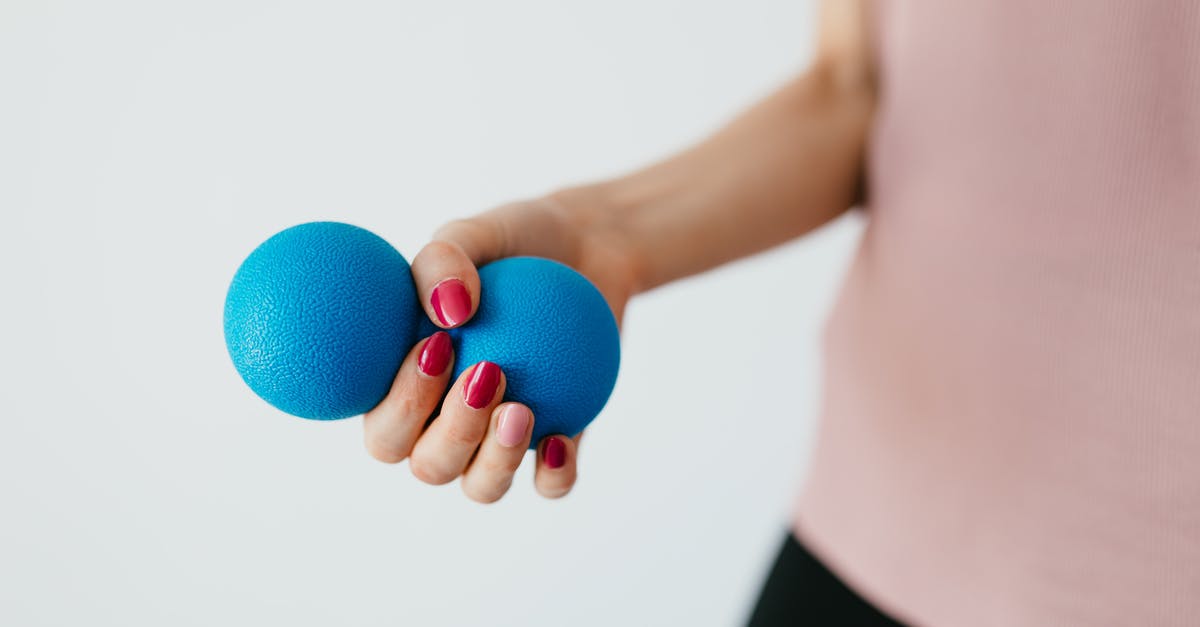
(1011, 417)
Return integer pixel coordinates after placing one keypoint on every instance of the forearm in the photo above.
(785, 167)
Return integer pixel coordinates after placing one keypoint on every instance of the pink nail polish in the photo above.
(451, 302)
(435, 355)
(555, 452)
(512, 425)
(481, 385)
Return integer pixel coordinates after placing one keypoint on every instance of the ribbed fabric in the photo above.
(1011, 416)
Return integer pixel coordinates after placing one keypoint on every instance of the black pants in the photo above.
(801, 591)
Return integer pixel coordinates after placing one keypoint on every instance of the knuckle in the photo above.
(555, 489)
(440, 250)
(383, 444)
(386, 452)
(554, 492)
(471, 226)
(505, 465)
(465, 432)
(403, 405)
(427, 472)
(483, 494)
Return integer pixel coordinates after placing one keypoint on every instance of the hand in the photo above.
(476, 436)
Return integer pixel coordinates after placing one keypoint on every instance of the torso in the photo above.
(1011, 424)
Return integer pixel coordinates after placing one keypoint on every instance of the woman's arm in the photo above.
(784, 167)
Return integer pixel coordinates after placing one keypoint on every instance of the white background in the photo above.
(145, 148)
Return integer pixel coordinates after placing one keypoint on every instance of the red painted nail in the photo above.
(451, 302)
(481, 385)
(555, 453)
(435, 355)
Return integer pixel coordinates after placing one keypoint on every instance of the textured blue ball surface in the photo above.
(552, 333)
(319, 317)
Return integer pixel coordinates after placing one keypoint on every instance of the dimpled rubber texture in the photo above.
(319, 317)
(554, 336)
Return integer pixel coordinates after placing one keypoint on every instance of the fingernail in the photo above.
(481, 386)
(513, 422)
(451, 302)
(555, 453)
(435, 355)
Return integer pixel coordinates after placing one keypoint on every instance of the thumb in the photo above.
(447, 283)
(444, 270)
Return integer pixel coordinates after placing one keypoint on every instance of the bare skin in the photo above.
(786, 166)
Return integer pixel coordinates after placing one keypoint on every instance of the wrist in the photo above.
(602, 219)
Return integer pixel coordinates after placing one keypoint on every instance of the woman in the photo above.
(1011, 422)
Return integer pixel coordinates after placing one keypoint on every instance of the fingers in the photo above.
(474, 436)
(391, 429)
(442, 453)
(555, 475)
(491, 472)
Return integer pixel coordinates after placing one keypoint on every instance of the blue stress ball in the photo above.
(553, 335)
(319, 317)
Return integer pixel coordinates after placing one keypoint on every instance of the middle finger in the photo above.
(444, 449)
